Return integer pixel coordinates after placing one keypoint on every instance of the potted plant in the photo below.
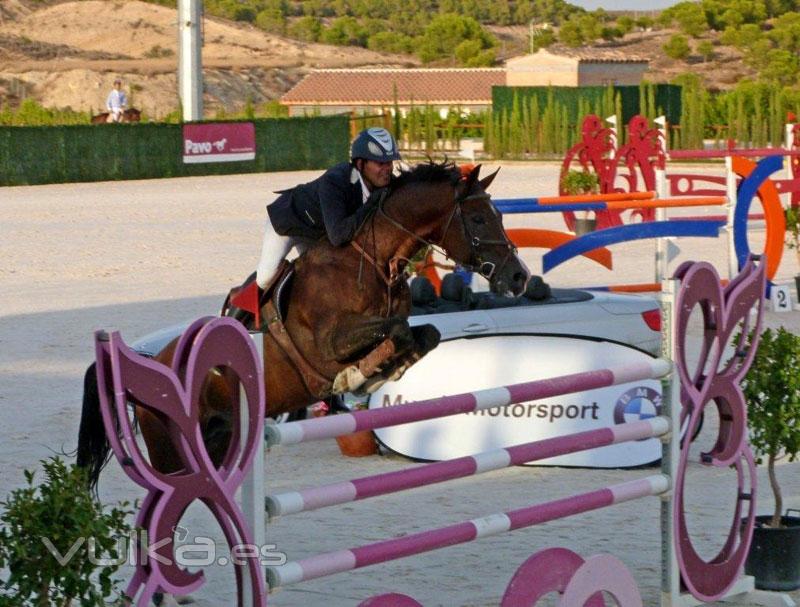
(772, 392)
(793, 239)
(581, 182)
(58, 545)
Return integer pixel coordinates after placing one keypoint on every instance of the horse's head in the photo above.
(476, 239)
(456, 213)
(132, 115)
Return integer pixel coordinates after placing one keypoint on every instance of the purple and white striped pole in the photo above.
(292, 502)
(339, 425)
(388, 550)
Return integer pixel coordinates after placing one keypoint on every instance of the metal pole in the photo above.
(661, 261)
(731, 192)
(252, 492)
(190, 68)
(788, 130)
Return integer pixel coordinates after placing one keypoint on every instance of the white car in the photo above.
(490, 341)
(632, 321)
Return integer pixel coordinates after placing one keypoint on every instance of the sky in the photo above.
(645, 5)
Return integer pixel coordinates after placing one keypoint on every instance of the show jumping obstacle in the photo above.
(644, 159)
(211, 344)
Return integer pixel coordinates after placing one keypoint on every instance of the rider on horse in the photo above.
(116, 102)
(333, 205)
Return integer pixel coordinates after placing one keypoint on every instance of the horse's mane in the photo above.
(428, 172)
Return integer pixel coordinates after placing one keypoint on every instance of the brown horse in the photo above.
(129, 115)
(344, 305)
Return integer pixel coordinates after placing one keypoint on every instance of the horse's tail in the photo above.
(93, 446)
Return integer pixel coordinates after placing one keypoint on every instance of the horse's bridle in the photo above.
(477, 264)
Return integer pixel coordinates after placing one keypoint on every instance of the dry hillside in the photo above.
(68, 53)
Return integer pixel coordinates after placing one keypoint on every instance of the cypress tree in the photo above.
(526, 127)
(515, 128)
(564, 142)
(609, 106)
(536, 141)
(430, 129)
(397, 123)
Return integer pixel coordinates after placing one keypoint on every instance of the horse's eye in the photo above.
(479, 219)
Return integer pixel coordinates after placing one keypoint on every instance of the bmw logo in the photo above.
(637, 404)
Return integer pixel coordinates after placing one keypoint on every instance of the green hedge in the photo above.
(58, 154)
(667, 98)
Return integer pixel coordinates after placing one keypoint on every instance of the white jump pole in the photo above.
(662, 191)
(252, 491)
(731, 193)
(788, 144)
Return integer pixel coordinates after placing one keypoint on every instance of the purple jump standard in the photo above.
(292, 502)
(339, 425)
(388, 550)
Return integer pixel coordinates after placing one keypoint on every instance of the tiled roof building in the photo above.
(334, 91)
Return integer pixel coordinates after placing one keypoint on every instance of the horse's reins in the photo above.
(487, 269)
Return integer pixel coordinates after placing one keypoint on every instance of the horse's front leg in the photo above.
(426, 338)
(368, 343)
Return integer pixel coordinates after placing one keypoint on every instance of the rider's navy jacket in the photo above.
(331, 204)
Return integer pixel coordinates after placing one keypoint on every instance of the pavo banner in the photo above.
(219, 142)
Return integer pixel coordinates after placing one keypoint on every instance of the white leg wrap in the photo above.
(348, 380)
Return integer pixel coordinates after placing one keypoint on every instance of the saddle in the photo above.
(245, 304)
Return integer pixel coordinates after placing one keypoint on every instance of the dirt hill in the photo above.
(67, 54)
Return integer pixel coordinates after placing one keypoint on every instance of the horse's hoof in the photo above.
(348, 379)
(374, 384)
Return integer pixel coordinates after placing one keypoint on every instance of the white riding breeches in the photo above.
(274, 249)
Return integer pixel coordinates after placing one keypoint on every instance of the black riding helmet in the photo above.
(375, 144)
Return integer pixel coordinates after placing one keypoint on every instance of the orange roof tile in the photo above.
(376, 86)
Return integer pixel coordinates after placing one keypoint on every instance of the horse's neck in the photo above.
(418, 229)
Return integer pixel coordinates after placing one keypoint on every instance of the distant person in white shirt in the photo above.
(116, 102)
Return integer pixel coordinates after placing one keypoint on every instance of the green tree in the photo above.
(470, 54)
(571, 34)
(781, 67)
(306, 28)
(739, 12)
(543, 38)
(785, 33)
(446, 32)
(742, 37)
(677, 47)
(706, 50)
(691, 18)
(271, 20)
(625, 24)
(591, 26)
(345, 31)
(390, 42)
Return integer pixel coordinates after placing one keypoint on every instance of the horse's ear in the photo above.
(487, 181)
(469, 176)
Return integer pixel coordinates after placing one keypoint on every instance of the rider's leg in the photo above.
(273, 251)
